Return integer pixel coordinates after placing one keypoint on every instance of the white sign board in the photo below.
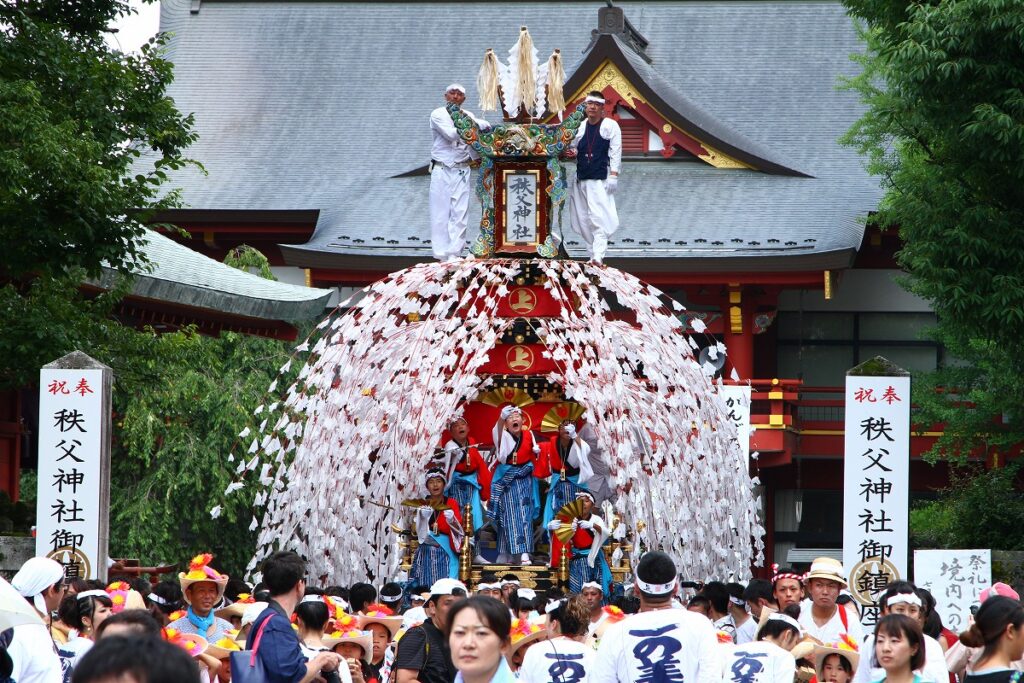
(876, 487)
(955, 578)
(521, 218)
(737, 402)
(73, 493)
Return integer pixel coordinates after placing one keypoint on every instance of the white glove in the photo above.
(586, 524)
(611, 184)
(425, 510)
(575, 524)
(554, 524)
(570, 430)
(449, 514)
(506, 412)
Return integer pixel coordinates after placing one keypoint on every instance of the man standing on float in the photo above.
(450, 158)
(515, 493)
(598, 145)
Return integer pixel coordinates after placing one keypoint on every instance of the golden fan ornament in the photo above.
(421, 502)
(567, 513)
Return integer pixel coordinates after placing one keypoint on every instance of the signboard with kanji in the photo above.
(955, 578)
(521, 205)
(74, 457)
(737, 402)
(876, 486)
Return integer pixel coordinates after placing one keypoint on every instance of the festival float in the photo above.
(370, 391)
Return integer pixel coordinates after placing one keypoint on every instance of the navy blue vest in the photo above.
(592, 154)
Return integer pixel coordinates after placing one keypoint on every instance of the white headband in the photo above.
(510, 582)
(456, 86)
(312, 598)
(739, 602)
(91, 594)
(552, 606)
(592, 98)
(586, 494)
(786, 619)
(156, 598)
(591, 584)
(656, 588)
(904, 598)
(527, 593)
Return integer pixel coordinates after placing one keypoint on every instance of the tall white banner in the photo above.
(737, 401)
(955, 578)
(73, 487)
(876, 486)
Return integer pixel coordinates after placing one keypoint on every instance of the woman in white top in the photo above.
(85, 614)
(311, 616)
(564, 657)
(767, 660)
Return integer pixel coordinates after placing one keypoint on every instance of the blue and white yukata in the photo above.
(515, 491)
(587, 562)
(469, 480)
(440, 537)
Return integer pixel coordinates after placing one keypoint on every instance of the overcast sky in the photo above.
(136, 29)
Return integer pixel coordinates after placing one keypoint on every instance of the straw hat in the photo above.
(827, 568)
(363, 639)
(380, 614)
(843, 649)
(525, 632)
(805, 648)
(194, 645)
(199, 571)
(237, 608)
(223, 648)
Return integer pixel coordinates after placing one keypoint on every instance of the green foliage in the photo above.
(981, 509)
(76, 120)
(945, 132)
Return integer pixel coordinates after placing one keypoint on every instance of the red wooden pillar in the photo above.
(737, 332)
(11, 433)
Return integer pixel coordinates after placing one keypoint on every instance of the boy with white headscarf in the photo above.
(33, 652)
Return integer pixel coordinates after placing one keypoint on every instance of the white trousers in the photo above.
(593, 215)
(449, 210)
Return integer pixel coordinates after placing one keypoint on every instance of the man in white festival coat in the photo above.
(664, 643)
(449, 178)
(598, 145)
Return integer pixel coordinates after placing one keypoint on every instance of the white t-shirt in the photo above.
(34, 656)
(557, 661)
(833, 630)
(746, 632)
(934, 663)
(760, 662)
(76, 647)
(667, 645)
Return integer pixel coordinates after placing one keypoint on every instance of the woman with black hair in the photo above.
(899, 648)
(767, 660)
(564, 656)
(998, 628)
(163, 600)
(478, 630)
(85, 614)
(311, 616)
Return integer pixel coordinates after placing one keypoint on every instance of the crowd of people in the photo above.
(206, 626)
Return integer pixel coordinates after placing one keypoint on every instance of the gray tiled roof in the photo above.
(183, 276)
(318, 105)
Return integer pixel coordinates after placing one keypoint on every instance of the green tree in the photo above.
(944, 130)
(87, 134)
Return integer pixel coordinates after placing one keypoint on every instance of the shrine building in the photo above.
(735, 197)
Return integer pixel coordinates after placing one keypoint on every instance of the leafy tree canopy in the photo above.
(944, 130)
(75, 117)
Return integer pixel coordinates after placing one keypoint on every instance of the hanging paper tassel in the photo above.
(527, 83)
(556, 83)
(487, 81)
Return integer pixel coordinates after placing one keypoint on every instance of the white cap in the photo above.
(252, 611)
(456, 86)
(447, 587)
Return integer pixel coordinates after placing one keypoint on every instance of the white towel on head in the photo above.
(34, 577)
